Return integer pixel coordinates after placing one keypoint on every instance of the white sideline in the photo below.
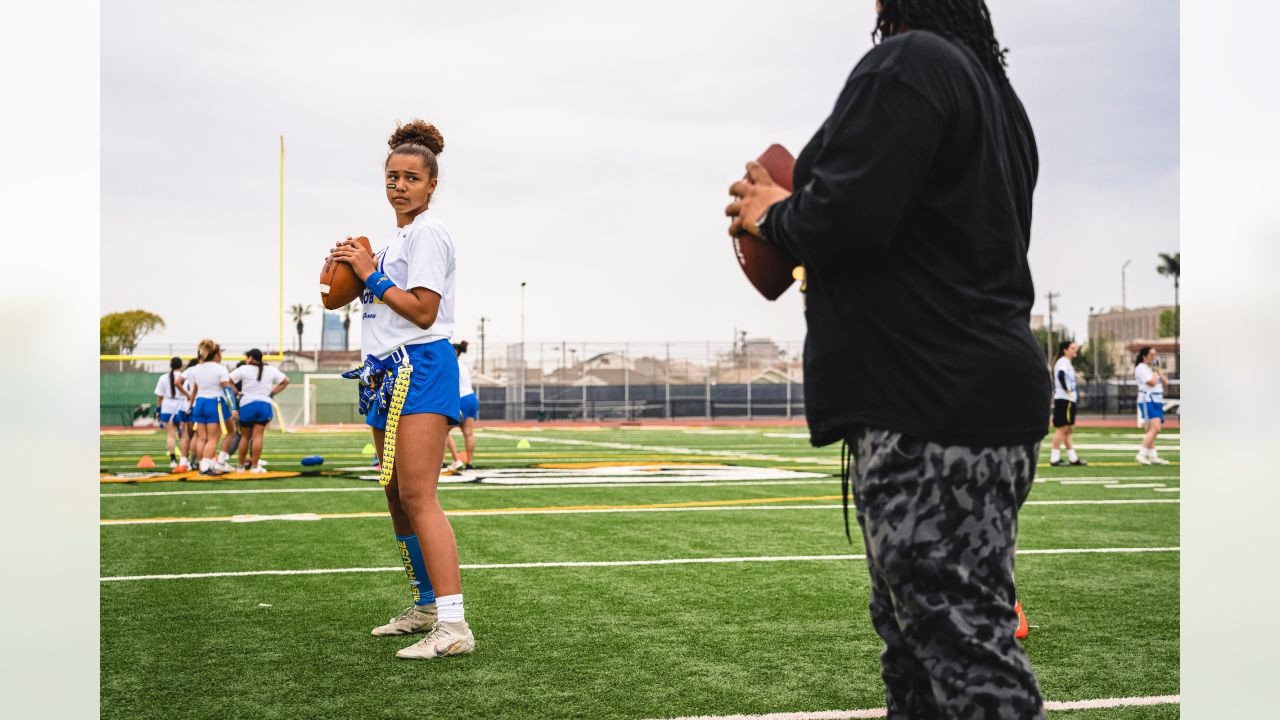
(665, 449)
(1095, 704)
(250, 517)
(605, 563)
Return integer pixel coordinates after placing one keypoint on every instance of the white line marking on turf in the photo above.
(1122, 486)
(605, 563)
(1167, 489)
(1056, 705)
(670, 450)
(250, 517)
(469, 486)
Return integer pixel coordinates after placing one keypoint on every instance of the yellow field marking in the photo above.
(497, 511)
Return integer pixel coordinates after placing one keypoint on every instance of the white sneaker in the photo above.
(223, 467)
(445, 639)
(414, 619)
(1143, 460)
(173, 464)
(258, 471)
(1157, 460)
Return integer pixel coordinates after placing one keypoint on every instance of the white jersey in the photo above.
(1148, 393)
(419, 256)
(251, 388)
(172, 397)
(464, 379)
(1064, 367)
(189, 387)
(207, 378)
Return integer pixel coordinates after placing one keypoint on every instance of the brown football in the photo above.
(338, 282)
(768, 266)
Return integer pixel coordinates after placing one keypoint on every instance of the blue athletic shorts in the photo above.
(165, 418)
(182, 416)
(470, 406)
(206, 410)
(258, 411)
(1151, 410)
(433, 384)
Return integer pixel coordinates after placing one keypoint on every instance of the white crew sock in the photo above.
(223, 457)
(1152, 453)
(449, 608)
(1071, 455)
(204, 464)
(1055, 455)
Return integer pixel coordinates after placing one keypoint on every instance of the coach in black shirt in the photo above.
(912, 218)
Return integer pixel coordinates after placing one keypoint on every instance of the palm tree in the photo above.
(297, 312)
(347, 311)
(1171, 266)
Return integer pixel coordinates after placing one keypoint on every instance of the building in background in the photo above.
(332, 335)
(1128, 330)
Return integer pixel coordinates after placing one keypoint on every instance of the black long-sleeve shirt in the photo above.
(912, 216)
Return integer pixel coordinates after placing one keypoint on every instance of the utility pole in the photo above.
(1048, 338)
(483, 320)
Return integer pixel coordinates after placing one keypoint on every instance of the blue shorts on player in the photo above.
(1151, 410)
(182, 416)
(470, 406)
(433, 384)
(253, 413)
(166, 417)
(206, 410)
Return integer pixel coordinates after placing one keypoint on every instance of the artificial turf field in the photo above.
(758, 611)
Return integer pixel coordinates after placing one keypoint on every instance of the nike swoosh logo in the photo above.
(448, 650)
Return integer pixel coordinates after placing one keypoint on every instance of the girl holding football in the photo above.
(409, 387)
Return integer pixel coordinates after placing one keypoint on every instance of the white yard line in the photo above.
(310, 516)
(478, 486)
(604, 563)
(663, 449)
(1094, 704)
(1123, 486)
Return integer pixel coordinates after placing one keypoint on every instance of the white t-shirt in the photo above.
(172, 397)
(1148, 393)
(187, 385)
(419, 255)
(1065, 367)
(464, 379)
(251, 388)
(207, 378)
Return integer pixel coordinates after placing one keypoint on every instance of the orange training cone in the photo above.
(1023, 629)
(146, 462)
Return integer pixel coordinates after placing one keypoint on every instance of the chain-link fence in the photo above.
(554, 381)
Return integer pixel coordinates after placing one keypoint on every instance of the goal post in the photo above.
(328, 398)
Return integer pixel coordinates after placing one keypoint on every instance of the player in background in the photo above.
(469, 404)
(189, 445)
(169, 397)
(210, 379)
(1064, 404)
(259, 383)
(409, 387)
(228, 420)
(1151, 384)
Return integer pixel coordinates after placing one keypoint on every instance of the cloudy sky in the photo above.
(589, 146)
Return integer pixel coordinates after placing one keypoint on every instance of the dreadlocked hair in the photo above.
(968, 21)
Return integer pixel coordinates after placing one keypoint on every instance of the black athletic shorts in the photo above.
(1064, 413)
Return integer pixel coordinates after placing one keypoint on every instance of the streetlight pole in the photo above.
(1123, 299)
(483, 320)
(1048, 336)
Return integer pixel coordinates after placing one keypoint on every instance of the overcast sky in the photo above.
(588, 151)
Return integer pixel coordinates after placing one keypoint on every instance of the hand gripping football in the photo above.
(768, 266)
(338, 282)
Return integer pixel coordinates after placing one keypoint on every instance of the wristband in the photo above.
(378, 283)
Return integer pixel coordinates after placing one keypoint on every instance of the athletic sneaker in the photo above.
(445, 639)
(258, 471)
(1143, 460)
(1056, 463)
(1157, 460)
(469, 466)
(224, 468)
(173, 464)
(1079, 461)
(414, 619)
(457, 465)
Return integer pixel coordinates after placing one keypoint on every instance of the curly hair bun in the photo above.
(417, 132)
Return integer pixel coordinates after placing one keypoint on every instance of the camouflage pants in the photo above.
(939, 523)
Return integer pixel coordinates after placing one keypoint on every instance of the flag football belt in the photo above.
(384, 398)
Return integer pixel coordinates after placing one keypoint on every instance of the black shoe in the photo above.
(1078, 461)
(1056, 463)
(468, 466)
